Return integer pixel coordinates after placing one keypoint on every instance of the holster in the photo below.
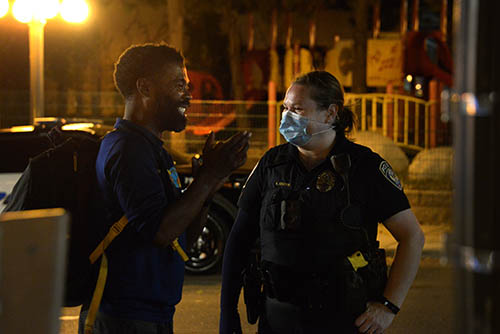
(252, 289)
(353, 292)
(364, 284)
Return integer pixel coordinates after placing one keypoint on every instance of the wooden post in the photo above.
(271, 115)
(289, 31)
(434, 100)
(296, 59)
(376, 19)
(444, 19)
(403, 21)
(414, 15)
(312, 33)
(251, 32)
(271, 89)
(274, 30)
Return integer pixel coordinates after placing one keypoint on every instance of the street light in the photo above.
(74, 11)
(36, 13)
(4, 7)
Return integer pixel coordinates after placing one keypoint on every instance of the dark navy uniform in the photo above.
(306, 238)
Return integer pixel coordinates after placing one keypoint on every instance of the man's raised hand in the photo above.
(221, 158)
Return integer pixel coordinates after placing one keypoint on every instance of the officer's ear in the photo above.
(144, 87)
(332, 113)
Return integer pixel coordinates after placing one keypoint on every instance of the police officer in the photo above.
(315, 203)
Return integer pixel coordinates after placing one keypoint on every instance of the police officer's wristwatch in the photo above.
(387, 303)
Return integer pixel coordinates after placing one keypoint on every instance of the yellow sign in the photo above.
(339, 61)
(384, 62)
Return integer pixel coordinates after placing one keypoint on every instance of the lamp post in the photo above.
(35, 13)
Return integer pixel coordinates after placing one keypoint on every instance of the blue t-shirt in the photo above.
(137, 177)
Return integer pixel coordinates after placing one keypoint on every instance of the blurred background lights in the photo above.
(45, 9)
(23, 10)
(4, 7)
(75, 11)
(409, 78)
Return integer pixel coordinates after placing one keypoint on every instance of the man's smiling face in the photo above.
(172, 94)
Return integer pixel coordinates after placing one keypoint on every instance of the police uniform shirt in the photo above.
(374, 189)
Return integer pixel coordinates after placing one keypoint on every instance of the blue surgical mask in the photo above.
(294, 128)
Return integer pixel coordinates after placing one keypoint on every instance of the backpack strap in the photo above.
(97, 295)
(114, 230)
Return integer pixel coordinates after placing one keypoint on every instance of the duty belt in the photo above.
(307, 290)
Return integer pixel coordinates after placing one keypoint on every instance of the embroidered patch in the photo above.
(174, 177)
(389, 174)
(325, 181)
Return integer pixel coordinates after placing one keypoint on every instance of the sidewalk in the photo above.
(434, 238)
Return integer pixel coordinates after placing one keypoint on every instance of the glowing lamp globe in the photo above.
(75, 11)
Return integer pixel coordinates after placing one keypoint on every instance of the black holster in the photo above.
(364, 284)
(252, 289)
(353, 293)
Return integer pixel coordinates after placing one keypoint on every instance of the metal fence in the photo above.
(406, 120)
(412, 123)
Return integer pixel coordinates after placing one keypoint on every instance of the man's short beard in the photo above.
(168, 117)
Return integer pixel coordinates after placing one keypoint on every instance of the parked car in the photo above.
(20, 143)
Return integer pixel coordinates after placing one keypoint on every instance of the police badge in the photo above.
(325, 181)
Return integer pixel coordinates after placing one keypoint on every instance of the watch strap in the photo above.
(387, 303)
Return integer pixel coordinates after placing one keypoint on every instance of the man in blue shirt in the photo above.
(137, 178)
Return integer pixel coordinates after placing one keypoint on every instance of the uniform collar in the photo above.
(134, 127)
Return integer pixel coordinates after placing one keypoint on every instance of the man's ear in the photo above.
(332, 113)
(143, 86)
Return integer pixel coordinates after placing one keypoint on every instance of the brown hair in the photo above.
(325, 90)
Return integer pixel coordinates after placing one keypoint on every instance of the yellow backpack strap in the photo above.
(113, 232)
(116, 229)
(177, 247)
(97, 296)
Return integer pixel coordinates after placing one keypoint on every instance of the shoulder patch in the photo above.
(174, 178)
(389, 174)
